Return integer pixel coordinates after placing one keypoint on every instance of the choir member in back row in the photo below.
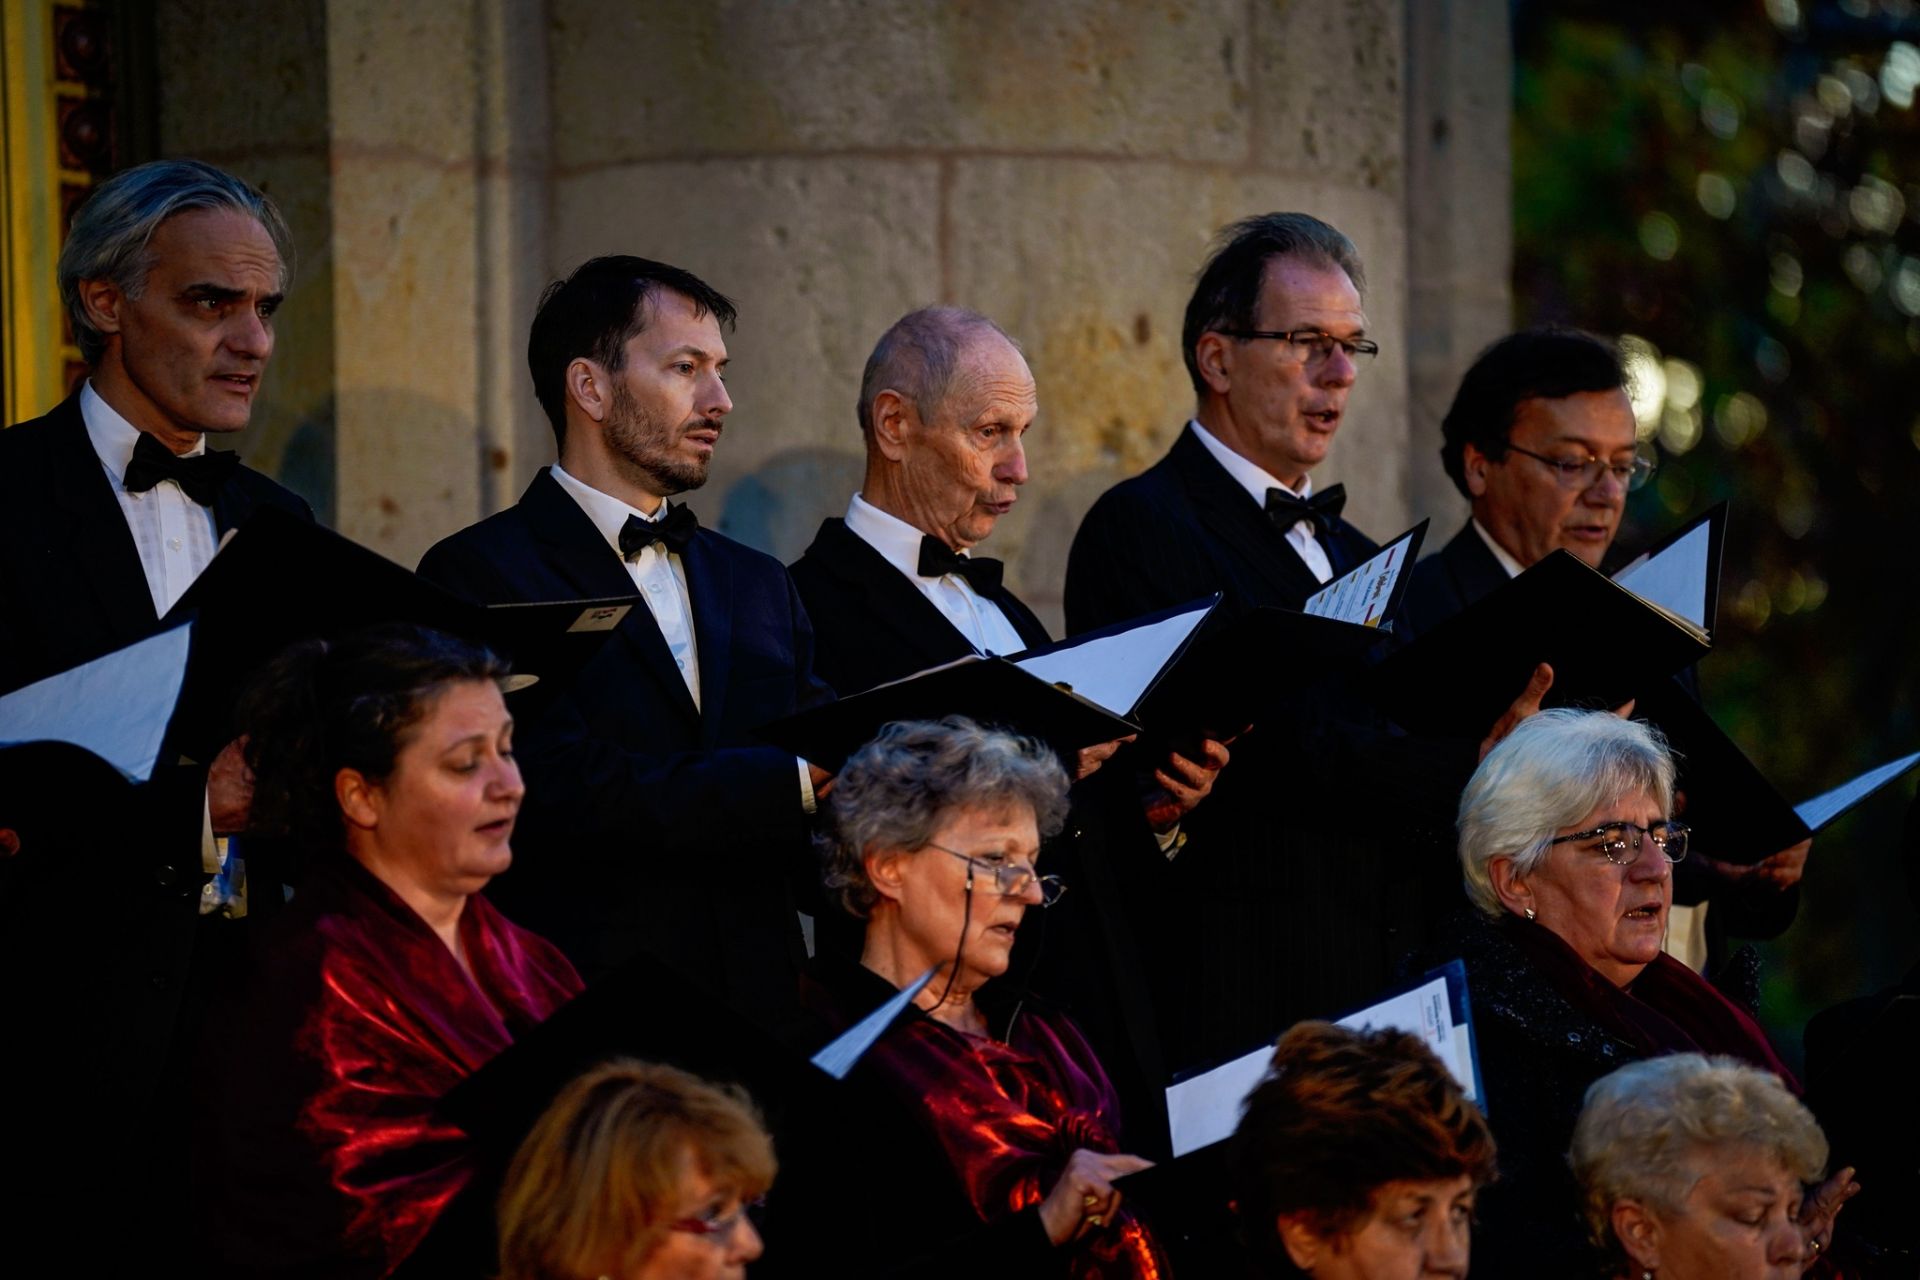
(654, 818)
(945, 403)
(118, 922)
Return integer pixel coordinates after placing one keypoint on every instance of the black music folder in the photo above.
(278, 579)
(1605, 645)
(1681, 572)
(1073, 694)
(1736, 814)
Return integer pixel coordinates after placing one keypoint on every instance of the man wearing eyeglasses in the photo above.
(1275, 336)
(1540, 439)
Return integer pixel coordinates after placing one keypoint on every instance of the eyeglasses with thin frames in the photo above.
(723, 1225)
(1584, 473)
(1619, 842)
(1010, 879)
(1313, 346)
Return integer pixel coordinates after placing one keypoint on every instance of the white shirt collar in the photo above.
(608, 513)
(112, 436)
(1513, 567)
(897, 541)
(1256, 480)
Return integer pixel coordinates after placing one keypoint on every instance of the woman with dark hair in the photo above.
(386, 759)
(987, 1134)
(1358, 1158)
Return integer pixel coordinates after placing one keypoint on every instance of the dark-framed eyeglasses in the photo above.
(1010, 879)
(1584, 473)
(1619, 842)
(715, 1223)
(1314, 346)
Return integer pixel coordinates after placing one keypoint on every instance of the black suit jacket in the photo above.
(649, 823)
(98, 931)
(872, 626)
(1448, 581)
(1184, 528)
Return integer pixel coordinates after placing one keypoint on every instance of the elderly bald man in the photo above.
(946, 401)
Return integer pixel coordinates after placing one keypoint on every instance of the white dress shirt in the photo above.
(980, 620)
(1256, 481)
(1500, 553)
(661, 580)
(174, 534)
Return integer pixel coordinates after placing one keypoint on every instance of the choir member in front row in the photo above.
(1567, 846)
(1698, 1168)
(989, 1136)
(1358, 1158)
(637, 1172)
(388, 756)
(648, 785)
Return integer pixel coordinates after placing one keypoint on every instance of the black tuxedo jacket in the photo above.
(872, 626)
(1184, 528)
(649, 823)
(1448, 581)
(98, 933)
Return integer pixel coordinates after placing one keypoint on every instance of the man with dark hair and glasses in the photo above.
(654, 819)
(1541, 440)
(1274, 337)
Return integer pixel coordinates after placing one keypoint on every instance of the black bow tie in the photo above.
(676, 529)
(1323, 508)
(200, 477)
(937, 558)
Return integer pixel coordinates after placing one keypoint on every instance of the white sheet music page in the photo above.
(116, 707)
(1822, 809)
(1361, 596)
(1424, 1012)
(1676, 579)
(1206, 1109)
(1116, 671)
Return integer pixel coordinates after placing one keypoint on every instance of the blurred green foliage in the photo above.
(1738, 186)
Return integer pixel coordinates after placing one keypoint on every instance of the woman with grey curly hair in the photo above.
(996, 1126)
(1697, 1168)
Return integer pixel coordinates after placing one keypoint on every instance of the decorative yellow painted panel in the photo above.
(31, 360)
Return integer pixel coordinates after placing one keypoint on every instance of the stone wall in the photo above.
(1061, 166)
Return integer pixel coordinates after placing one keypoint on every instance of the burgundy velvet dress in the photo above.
(955, 1142)
(322, 1153)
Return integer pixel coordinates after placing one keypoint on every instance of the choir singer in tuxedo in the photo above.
(894, 587)
(654, 818)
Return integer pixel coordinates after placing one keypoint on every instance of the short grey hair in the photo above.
(917, 358)
(110, 234)
(898, 789)
(1648, 1130)
(1551, 771)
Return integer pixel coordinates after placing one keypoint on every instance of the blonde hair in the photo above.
(594, 1187)
(1644, 1126)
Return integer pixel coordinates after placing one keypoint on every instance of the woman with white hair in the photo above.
(1567, 846)
(1697, 1168)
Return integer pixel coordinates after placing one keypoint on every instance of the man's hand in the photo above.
(1084, 1198)
(1779, 871)
(1091, 758)
(1523, 706)
(1184, 784)
(230, 789)
(1821, 1207)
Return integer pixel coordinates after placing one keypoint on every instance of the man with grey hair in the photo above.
(894, 587)
(110, 506)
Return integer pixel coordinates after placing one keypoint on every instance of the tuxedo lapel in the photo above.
(710, 594)
(582, 565)
(917, 625)
(87, 518)
(1472, 566)
(1240, 524)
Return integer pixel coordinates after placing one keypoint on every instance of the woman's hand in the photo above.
(1822, 1206)
(1084, 1199)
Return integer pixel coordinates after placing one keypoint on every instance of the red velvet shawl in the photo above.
(359, 1020)
(1009, 1113)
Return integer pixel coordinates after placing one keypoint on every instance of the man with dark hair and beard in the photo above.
(652, 820)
